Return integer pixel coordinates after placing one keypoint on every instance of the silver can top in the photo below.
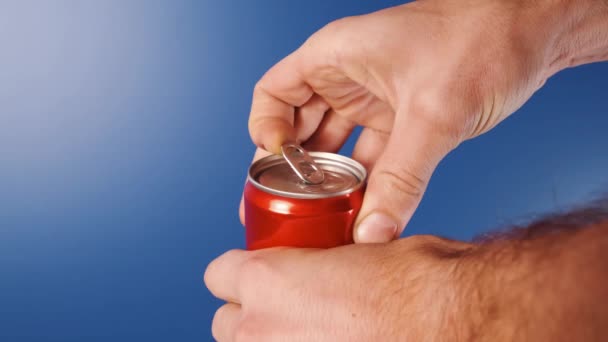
(341, 175)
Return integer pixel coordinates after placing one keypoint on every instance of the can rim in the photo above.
(322, 158)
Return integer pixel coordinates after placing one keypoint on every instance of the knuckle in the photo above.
(339, 26)
(336, 38)
(403, 181)
(207, 274)
(212, 268)
(435, 111)
(256, 268)
(260, 87)
(431, 106)
(255, 263)
(247, 330)
(231, 254)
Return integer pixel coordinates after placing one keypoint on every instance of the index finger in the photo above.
(279, 91)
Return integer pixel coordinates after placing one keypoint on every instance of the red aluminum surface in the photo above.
(272, 220)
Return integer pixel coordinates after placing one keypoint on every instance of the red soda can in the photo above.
(301, 199)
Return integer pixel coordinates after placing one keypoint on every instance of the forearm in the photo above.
(541, 283)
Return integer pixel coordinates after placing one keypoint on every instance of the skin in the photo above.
(421, 78)
(523, 288)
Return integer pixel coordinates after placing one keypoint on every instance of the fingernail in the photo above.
(376, 228)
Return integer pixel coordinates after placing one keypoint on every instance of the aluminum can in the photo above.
(283, 210)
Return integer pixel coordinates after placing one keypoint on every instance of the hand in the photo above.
(420, 78)
(402, 291)
(543, 282)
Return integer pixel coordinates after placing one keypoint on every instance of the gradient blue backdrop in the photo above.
(124, 146)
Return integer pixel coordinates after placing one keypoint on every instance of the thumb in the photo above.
(399, 179)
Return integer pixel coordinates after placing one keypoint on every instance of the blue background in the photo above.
(124, 147)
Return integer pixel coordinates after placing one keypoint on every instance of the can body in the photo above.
(272, 220)
(281, 210)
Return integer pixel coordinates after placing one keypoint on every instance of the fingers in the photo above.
(309, 116)
(307, 119)
(399, 178)
(257, 283)
(369, 146)
(281, 89)
(286, 86)
(222, 275)
(225, 322)
(331, 134)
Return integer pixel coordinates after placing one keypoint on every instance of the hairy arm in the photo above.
(545, 282)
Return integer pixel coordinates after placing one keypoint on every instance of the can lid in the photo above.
(274, 174)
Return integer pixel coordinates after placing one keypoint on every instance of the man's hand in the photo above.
(420, 78)
(404, 291)
(546, 282)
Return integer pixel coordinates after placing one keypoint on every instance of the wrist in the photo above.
(579, 34)
(437, 287)
(487, 296)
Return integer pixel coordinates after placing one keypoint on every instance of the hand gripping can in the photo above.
(302, 199)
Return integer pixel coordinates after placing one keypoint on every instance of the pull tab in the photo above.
(302, 164)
